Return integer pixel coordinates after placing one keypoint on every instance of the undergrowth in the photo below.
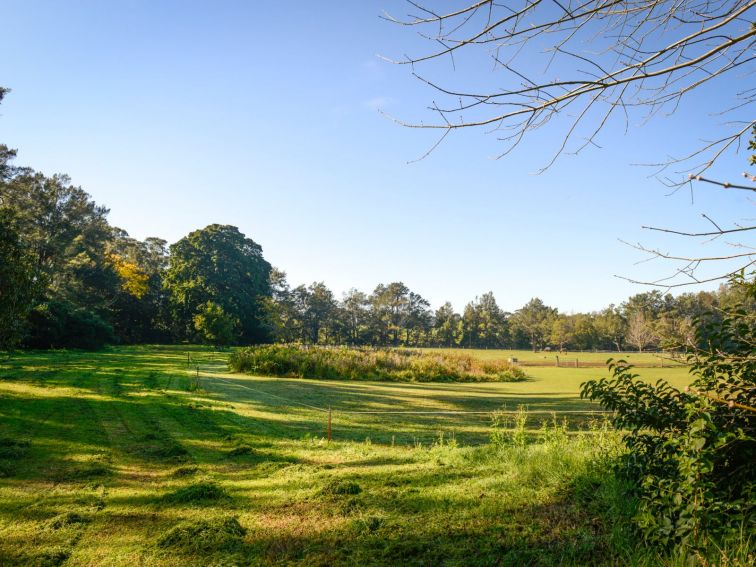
(401, 365)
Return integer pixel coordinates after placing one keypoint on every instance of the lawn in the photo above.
(159, 456)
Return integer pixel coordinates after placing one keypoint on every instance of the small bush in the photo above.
(223, 534)
(342, 363)
(691, 453)
(199, 492)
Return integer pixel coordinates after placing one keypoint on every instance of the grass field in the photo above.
(568, 358)
(122, 458)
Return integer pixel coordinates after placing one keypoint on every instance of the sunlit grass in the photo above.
(117, 453)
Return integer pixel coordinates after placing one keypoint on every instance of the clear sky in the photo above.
(176, 115)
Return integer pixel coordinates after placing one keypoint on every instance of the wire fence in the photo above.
(333, 410)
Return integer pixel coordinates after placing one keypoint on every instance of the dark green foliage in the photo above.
(61, 324)
(214, 326)
(692, 454)
(197, 493)
(204, 536)
(370, 364)
(218, 264)
(18, 284)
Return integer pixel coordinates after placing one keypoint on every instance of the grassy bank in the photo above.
(377, 364)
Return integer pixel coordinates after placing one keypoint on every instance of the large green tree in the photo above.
(219, 264)
(138, 307)
(18, 284)
(534, 320)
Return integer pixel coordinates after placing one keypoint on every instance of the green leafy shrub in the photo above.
(60, 324)
(692, 453)
(370, 364)
(509, 429)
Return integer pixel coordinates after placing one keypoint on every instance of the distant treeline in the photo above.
(68, 279)
(393, 315)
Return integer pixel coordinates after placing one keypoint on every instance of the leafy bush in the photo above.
(370, 364)
(692, 453)
(214, 326)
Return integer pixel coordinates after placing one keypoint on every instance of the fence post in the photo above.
(577, 363)
(329, 424)
(557, 361)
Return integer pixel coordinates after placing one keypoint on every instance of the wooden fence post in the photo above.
(329, 424)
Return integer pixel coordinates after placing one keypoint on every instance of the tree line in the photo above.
(68, 279)
(394, 315)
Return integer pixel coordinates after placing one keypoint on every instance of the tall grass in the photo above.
(343, 363)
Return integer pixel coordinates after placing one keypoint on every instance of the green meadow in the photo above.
(161, 456)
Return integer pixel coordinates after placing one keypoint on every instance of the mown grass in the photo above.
(567, 358)
(114, 458)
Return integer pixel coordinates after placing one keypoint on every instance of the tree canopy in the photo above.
(218, 264)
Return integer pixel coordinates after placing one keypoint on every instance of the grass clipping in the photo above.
(343, 363)
(222, 534)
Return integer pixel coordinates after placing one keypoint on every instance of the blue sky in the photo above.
(176, 115)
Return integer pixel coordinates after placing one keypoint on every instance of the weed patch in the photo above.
(342, 363)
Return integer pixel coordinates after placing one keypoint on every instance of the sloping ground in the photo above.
(116, 458)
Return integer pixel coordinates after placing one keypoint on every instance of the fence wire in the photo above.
(336, 410)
